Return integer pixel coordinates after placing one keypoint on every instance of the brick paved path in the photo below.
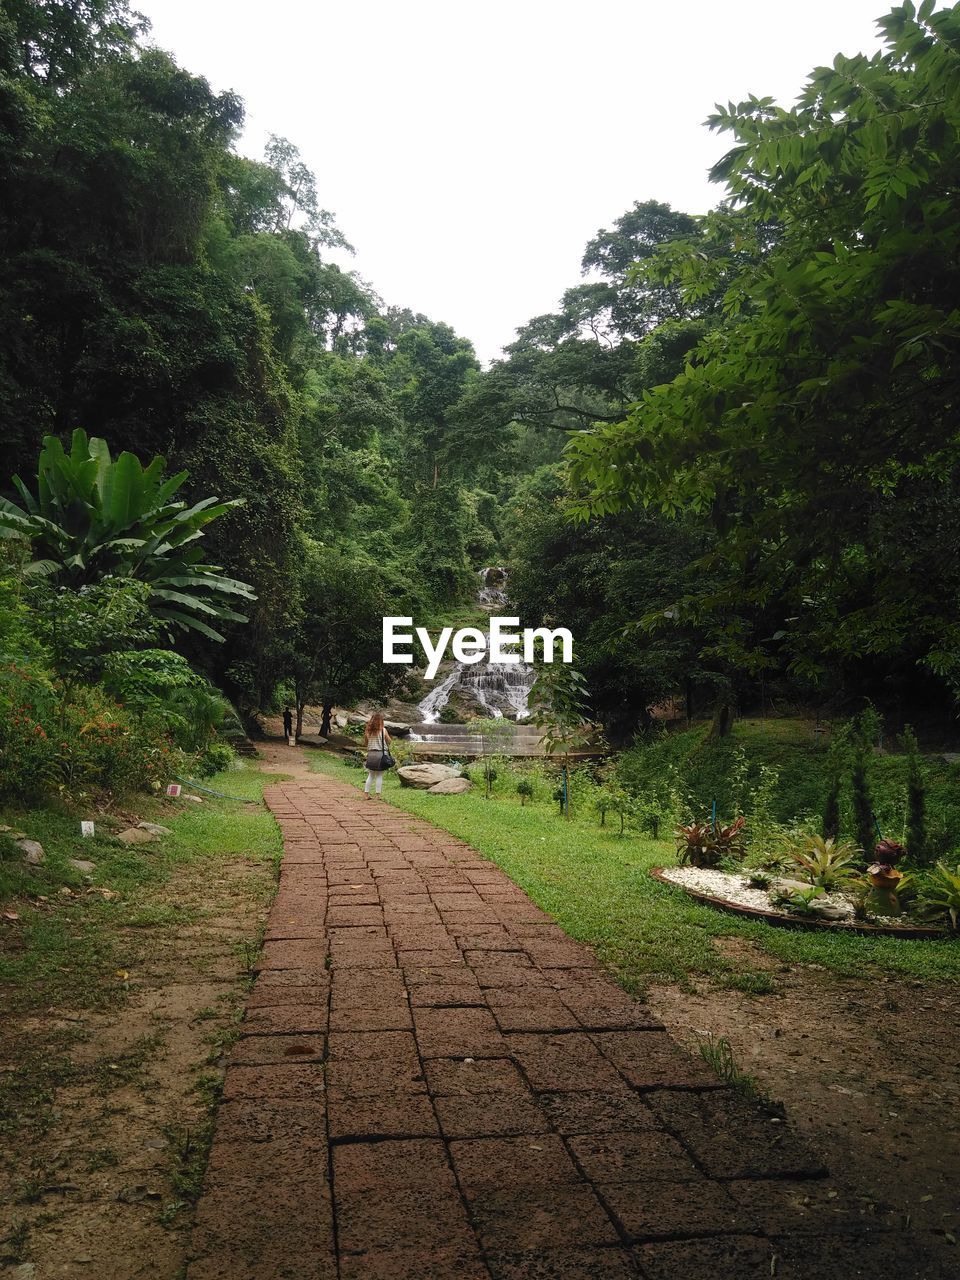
(434, 1081)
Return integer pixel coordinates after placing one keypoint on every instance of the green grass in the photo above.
(596, 884)
(66, 949)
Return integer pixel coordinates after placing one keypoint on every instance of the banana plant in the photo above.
(92, 517)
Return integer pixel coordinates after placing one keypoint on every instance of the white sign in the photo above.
(173, 789)
(471, 645)
(87, 829)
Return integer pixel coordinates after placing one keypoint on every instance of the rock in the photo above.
(426, 775)
(155, 828)
(192, 799)
(83, 866)
(396, 728)
(136, 835)
(32, 852)
(830, 911)
(790, 886)
(450, 787)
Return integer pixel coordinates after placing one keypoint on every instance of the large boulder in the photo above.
(396, 728)
(426, 775)
(450, 787)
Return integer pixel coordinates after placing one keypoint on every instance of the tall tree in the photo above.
(817, 427)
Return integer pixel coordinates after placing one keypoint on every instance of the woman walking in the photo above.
(376, 740)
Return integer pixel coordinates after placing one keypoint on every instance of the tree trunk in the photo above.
(325, 720)
(688, 693)
(300, 709)
(722, 715)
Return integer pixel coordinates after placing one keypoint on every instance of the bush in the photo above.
(217, 757)
(89, 745)
(28, 757)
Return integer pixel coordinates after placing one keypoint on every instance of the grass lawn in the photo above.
(69, 947)
(595, 883)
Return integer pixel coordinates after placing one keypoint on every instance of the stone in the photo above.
(33, 853)
(154, 828)
(136, 835)
(192, 799)
(396, 728)
(83, 866)
(450, 787)
(426, 775)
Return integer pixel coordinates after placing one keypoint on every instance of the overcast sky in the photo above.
(470, 149)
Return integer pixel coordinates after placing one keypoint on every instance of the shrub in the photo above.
(28, 756)
(216, 757)
(525, 790)
(701, 844)
(826, 863)
(799, 902)
(940, 895)
(87, 745)
(916, 824)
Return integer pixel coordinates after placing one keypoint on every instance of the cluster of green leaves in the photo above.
(813, 426)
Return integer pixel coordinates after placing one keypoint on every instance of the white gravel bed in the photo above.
(733, 887)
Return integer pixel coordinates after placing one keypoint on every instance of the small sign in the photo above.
(87, 829)
(173, 789)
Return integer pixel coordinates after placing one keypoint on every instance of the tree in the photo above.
(438, 365)
(816, 427)
(559, 702)
(94, 518)
(336, 655)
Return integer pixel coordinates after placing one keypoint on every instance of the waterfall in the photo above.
(498, 687)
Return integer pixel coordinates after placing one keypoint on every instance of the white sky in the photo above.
(470, 148)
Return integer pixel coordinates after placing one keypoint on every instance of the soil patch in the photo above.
(867, 1069)
(109, 1110)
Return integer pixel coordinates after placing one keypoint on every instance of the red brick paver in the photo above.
(434, 1083)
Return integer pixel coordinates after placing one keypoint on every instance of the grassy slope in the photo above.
(596, 885)
(65, 950)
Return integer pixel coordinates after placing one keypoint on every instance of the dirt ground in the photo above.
(115, 1105)
(867, 1068)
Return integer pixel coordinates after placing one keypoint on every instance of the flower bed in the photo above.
(732, 892)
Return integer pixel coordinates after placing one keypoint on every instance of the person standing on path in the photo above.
(376, 740)
(287, 723)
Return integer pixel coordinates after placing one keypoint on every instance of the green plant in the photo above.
(559, 702)
(759, 880)
(216, 757)
(603, 803)
(525, 790)
(92, 517)
(717, 1053)
(826, 863)
(940, 894)
(916, 824)
(837, 757)
(864, 732)
(701, 844)
(799, 902)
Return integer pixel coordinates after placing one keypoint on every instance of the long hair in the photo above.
(373, 725)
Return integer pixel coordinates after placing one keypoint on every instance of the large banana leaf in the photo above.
(91, 517)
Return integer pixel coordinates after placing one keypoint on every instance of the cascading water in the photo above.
(499, 688)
